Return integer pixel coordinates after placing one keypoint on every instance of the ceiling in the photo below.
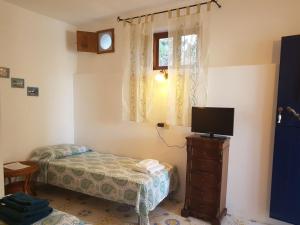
(77, 12)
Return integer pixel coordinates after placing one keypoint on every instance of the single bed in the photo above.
(105, 176)
(58, 218)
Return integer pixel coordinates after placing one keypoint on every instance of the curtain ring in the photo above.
(198, 9)
(152, 17)
(178, 12)
(208, 6)
(170, 14)
(188, 11)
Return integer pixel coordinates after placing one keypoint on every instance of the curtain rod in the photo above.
(165, 11)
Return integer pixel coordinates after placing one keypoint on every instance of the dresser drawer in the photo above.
(205, 196)
(207, 153)
(202, 165)
(202, 180)
(203, 210)
(205, 144)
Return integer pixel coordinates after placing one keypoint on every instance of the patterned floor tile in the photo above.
(102, 212)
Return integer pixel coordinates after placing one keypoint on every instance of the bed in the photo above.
(105, 176)
(61, 218)
(58, 218)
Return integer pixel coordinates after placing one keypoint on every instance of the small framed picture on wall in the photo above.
(17, 83)
(4, 72)
(32, 91)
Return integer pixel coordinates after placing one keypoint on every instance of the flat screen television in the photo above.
(211, 120)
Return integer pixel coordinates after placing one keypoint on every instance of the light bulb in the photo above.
(159, 77)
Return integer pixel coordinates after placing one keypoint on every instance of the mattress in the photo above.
(111, 177)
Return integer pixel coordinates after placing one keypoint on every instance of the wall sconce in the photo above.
(162, 75)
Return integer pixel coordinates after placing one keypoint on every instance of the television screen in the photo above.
(213, 120)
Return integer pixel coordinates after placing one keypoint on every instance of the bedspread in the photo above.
(58, 218)
(111, 177)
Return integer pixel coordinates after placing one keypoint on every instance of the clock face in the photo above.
(106, 41)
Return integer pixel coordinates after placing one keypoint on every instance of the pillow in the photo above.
(58, 151)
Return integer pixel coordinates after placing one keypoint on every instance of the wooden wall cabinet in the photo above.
(206, 178)
(100, 42)
(87, 41)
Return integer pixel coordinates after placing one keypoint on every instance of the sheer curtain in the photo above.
(188, 62)
(138, 84)
(187, 68)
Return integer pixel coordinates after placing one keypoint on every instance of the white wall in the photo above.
(1, 165)
(1, 158)
(42, 51)
(246, 32)
(1, 180)
(245, 43)
(251, 91)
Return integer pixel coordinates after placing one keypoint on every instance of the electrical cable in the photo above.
(166, 143)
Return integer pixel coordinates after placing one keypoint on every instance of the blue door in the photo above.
(285, 194)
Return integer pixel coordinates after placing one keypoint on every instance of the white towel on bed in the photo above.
(156, 168)
(147, 163)
(149, 170)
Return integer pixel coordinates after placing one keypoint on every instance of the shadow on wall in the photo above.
(71, 43)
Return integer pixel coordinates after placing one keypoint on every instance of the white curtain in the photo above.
(138, 84)
(187, 69)
(188, 61)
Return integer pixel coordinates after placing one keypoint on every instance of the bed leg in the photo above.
(139, 220)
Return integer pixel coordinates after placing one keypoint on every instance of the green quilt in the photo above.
(111, 177)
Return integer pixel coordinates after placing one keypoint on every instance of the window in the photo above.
(188, 49)
(161, 49)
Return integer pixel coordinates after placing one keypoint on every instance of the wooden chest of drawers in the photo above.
(206, 178)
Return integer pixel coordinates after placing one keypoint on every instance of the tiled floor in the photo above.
(102, 212)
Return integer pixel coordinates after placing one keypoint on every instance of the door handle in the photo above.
(293, 112)
(279, 116)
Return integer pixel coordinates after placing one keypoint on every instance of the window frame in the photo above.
(156, 38)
